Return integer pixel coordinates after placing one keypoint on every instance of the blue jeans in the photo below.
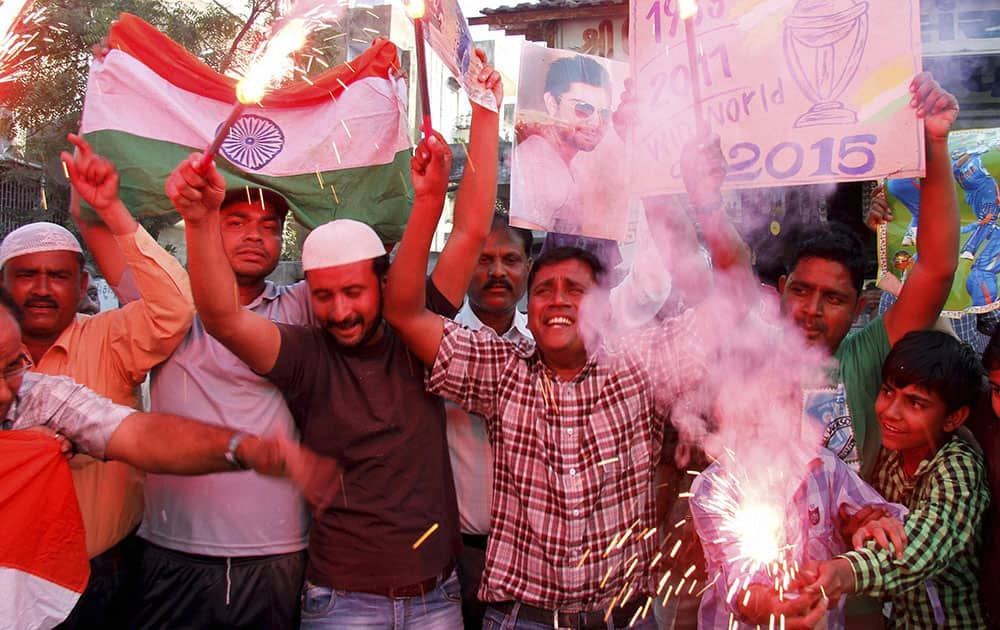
(324, 608)
(496, 620)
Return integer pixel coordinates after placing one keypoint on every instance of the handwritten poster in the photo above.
(800, 91)
(975, 162)
(570, 164)
(448, 33)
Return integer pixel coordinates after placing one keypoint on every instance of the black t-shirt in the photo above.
(367, 408)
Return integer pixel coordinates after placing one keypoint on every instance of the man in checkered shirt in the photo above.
(575, 434)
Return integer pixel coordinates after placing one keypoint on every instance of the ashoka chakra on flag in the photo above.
(253, 141)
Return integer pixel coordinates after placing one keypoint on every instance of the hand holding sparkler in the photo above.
(763, 604)
(95, 179)
(430, 167)
(195, 193)
(703, 168)
(832, 578)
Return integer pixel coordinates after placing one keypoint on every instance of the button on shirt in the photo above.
(574, 468)
(110, 353)
(468, 444)
(233, 513)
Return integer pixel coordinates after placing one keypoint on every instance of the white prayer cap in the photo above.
(340, 242)
(37, 237)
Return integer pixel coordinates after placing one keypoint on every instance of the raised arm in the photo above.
(927, 287)
(474, 203)
(98, 182)
(405, 291)
(253, 338)
(145, 332)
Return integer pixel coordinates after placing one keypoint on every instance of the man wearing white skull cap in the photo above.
(41, 265)
(358, 396)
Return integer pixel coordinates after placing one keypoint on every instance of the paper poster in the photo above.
(800, 91)
(975, 160)
(447, 31)
(569, 170)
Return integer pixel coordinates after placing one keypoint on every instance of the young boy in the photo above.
(929, 383)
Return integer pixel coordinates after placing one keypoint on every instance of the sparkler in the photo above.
(688, 9)
(273, 63)
(416, 10)
(12, 14)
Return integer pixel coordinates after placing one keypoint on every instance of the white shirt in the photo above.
(468, 446)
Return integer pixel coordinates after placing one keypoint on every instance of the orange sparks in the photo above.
(320, 178)
(65, 170)
(583, 558)
(273, 63)
(433, 528)
(673, 552)
(45, 202)
(335, 197)
(688, 9)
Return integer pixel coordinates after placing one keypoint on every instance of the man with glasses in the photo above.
(577, 100)
(41, 265)
(155, 442)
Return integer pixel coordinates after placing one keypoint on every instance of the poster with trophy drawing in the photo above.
(800, 91)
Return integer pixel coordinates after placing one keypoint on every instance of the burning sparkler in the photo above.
(688, 9)
(416, 11)
(273, 62)
(15, 47)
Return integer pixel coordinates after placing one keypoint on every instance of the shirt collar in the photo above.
(518, 329)
(269, 293)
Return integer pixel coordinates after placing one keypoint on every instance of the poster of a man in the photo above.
(568, 172)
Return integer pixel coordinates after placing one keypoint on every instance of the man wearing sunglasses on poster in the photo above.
(577, 100)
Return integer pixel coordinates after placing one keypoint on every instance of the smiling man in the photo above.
(355, 392)
(576, 432)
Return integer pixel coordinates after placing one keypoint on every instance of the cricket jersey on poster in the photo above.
(825, 413)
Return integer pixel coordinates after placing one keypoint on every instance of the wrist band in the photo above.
(231, 457)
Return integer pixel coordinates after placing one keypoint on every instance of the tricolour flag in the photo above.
(43, 552)
(335, 147)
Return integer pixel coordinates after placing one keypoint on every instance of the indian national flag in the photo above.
(43, 556)
(335, 147)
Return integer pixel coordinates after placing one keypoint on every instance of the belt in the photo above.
(412, 590)
(593, 620)
(476, 541)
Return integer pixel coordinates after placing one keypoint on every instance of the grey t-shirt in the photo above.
(227, 514)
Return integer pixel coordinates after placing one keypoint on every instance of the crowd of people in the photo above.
(374, 447)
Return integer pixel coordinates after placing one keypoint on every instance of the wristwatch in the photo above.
(231, 457)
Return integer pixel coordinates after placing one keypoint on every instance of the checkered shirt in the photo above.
(937, 579)
(811, 514)
(573, 514)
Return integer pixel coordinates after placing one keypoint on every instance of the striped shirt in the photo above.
(65, 406)
(573, 510)
(936, 582)
(811, 530)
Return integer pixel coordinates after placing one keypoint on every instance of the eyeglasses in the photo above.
(583, 110)
(17, 367)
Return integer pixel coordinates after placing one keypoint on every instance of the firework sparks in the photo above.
(433, 528)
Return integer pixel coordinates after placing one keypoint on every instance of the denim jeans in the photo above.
(497, 620)
(327, 609)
